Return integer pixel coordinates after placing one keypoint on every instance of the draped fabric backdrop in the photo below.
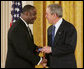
(72, 12)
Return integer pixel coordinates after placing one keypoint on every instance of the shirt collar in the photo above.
(58, 23)
(24, 22)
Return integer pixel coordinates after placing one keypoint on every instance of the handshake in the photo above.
(45, 49)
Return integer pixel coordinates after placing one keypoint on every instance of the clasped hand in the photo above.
(44, 62)
(46, 49)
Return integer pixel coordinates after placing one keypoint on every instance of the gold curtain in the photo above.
(72, 12)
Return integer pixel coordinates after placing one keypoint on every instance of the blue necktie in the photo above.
(53, 33)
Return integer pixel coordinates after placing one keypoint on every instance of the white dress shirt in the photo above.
(28, 26)
(24, 22)
(57, 25)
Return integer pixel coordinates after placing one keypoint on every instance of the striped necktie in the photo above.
(53, 33)
(30, 33)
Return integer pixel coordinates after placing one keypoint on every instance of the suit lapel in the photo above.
(25, 29)
(59, 33)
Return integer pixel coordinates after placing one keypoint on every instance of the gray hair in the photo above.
(56, 9)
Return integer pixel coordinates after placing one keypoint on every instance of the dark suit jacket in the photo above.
(21, 48)
(62, 55)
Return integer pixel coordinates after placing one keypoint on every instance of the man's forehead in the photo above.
(47, 10)
(34, 12)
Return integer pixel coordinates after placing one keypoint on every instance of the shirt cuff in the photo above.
(39, 61)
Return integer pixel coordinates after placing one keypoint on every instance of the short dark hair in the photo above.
(27, 8)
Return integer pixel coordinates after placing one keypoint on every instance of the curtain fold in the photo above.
(38, 25)
(5, 24)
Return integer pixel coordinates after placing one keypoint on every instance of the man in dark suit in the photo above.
(62, 38)
(21, 48)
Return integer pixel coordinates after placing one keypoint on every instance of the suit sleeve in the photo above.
(22, 48)
(69, 44)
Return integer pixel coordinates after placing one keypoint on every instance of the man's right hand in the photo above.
(44, 62)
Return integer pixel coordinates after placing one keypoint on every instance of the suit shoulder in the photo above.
(68, 25)
(15, 27)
